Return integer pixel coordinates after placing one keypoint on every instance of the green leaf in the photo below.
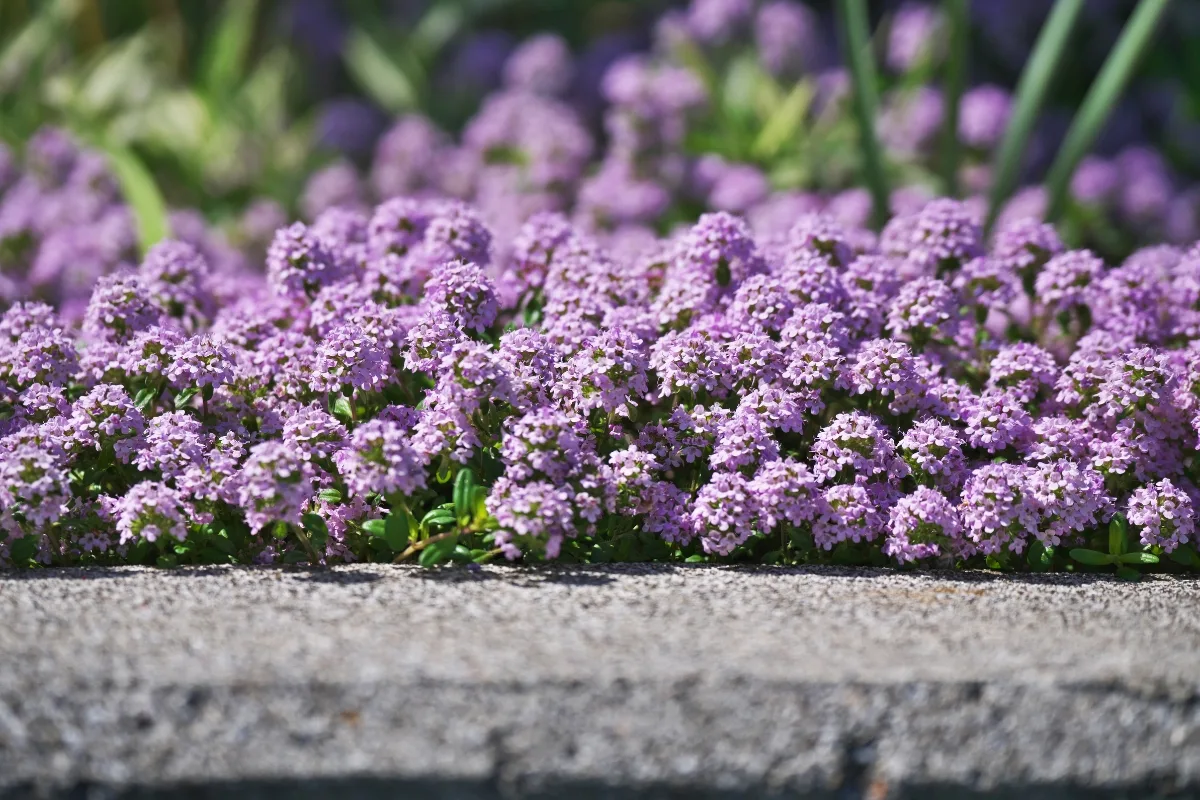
(785, 120)
(444, 471)
(224, 58)
(1036, 79)
(330, 495)
(1139, 558)
(1118, 534)
(1186, 555)
(956, 77)
(375, 527)
(695, 559)
(167, 561)
(479, 496)
(341, 408)
(1039, 557)
(377, 73)
(396, 529)
(144, 398)
(183, 398)
(464, 484)
(142, 195)
(1091, 557)
(438, 552)
(295, 557)
(1128, 574)
(439, 516)
(318, 531)
(1101, 98)
(280, 530)
(23, 550)
(856, 44)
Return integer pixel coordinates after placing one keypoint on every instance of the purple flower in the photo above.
(848, 514)
(987, 282)
(724, 512)
(314, 433)
(1025, 245)
(925, 310)
(380, 458)
(121, 305)
(1024, 369)
(983, 116)
(430, 340)
(1070, 498)
(788, 37)
(199, 362)
(945, 235)
(856, 444)
(541, 64)
(1064, 282)
(1164, 513)
(933, 451)
(34, 485)
(923, 525)
(274, 484)
(786, 492)
(462, 290)
(532, 363)
(546, 444)
(349, 359)
(39, 355)
(176, 276)
(996, 420)
(531, 514)
(174, 443)
(690, 361)
(886, 367)
(105, 419)
(913, 35)
(822, 235)
(608, 373)
(997, 509)
(744, 442)
(299, 264)
(150, 511)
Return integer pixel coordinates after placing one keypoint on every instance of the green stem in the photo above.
(956, 79)
(1114, 76)
(1031, 94)
(417, 547)
(853, 29)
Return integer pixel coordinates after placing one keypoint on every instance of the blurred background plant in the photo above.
(632, 115)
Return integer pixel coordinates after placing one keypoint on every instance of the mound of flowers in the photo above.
(388, 389)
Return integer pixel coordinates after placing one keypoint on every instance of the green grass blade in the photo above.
(853, 28)
(1031, 95)
(1101, 97)
(224, 59)
(380, 76)
(142, 195)
(956, 79)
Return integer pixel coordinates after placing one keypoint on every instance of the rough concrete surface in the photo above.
(631, 681)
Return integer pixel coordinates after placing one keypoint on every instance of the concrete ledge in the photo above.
(613, 682)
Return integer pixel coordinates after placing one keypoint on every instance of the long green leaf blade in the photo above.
(1031, 95)
(956, 79)
(224, 59)
(378, 74)
(853, 29)
(1114, 76)
(142, 195)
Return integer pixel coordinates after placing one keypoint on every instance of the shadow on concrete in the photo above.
(367, 788)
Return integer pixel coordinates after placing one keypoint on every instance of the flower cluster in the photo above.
(711, 395)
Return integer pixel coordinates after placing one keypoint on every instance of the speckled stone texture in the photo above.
(634, 681)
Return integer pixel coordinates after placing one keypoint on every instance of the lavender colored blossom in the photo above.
(983, 116)
(105, 419)
(314, 433)
(463, 291)
(199, 362)
(1064, 282)
(924, 524)
(933, 451)
(1070, 498)
(151, 511)
(1024, 369)
(174, 443)
(925, 310)
(856, 444)
(299, 264)
(1164, 513)
(34, 485)
(349, 359)
(546, 444)
(273, 485)
(120, 306)
(532, 513)
(380, 458)
(1025, 245)
(786, 492)
(744, 442)
(541, 64)
(788, 37)
(912, 36)
(724, 512)
(176, 276)
(997, 420)
(848, 514)
(609, 374)
(987, 283)
(997, 509)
